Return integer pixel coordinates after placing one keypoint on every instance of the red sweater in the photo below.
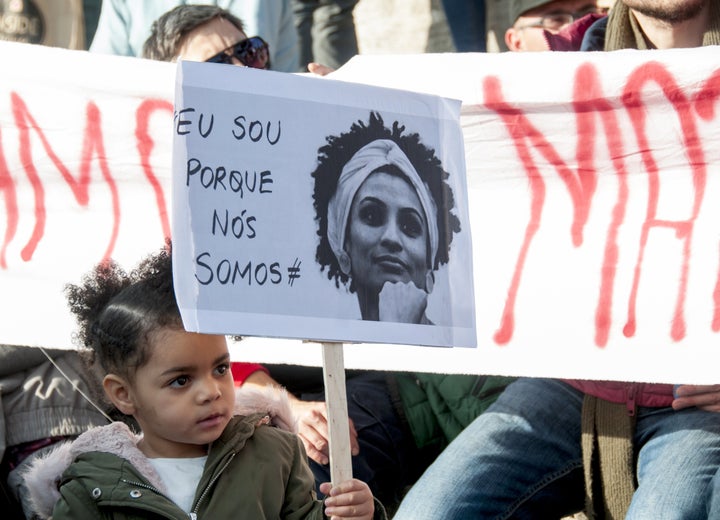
(632, 394)
(241, 371)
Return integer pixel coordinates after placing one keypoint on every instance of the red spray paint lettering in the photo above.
(93, 147)
(588, 103)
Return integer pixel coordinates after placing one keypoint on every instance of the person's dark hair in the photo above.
(168, 31)
(118, 312)
(340, 149)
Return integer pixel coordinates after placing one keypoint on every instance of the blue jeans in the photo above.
(326, 31)
(523, 459)
(466, 20)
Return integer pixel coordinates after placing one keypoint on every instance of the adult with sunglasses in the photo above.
(125, 25)
(532, 17)
(205, 33)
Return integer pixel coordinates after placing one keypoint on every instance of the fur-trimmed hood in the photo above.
(43, 474)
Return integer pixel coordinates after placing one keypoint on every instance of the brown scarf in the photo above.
(608, 458)
(623, 31)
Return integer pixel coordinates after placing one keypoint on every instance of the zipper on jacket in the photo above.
(193, 516)
(205, 492)
(631, 407)
(146, 486)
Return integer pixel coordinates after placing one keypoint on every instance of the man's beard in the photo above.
(668, 11)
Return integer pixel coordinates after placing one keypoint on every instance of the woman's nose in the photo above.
(391, 235)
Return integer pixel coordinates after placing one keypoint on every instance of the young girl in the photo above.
(196, 456)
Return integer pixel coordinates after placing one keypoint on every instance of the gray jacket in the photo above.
(37, 401)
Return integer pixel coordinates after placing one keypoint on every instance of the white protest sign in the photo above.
(593, 188)
(250, 193)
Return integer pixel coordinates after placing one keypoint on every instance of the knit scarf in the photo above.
(623, 30)
(608, 458)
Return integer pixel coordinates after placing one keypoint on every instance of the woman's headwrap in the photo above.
(369, 158)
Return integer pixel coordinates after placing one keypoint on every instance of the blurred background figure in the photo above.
(531, 17)
(326, 31)
(467, 22)
(204, 33)
(48, 396)
(56, 23)
(124, 26)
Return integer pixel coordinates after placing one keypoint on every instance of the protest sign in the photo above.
(593, 187)
(268, 167)
(254, 152)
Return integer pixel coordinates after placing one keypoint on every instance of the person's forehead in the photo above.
(177, 347)
(388, 186)
(207, 39)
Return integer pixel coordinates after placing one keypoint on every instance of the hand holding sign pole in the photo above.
(337, 412)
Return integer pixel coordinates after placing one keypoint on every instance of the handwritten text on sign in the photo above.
(242, 183)
(593, 201)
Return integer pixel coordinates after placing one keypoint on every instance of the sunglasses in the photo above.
(553, 22)
(252, 52)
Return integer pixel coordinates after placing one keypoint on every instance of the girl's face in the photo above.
(183, 397)
(387, 238)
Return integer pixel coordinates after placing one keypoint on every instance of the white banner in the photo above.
(593, 202)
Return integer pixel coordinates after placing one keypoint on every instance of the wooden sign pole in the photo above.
(337, 413)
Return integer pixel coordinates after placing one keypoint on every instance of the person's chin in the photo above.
(392, 277)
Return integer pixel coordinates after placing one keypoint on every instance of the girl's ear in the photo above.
(119, 392)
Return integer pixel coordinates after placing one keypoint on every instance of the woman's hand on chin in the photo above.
(402, 302)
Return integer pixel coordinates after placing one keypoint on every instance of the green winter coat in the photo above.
(253, 471)
(437, 407)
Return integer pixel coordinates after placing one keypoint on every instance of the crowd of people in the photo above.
(122, 431)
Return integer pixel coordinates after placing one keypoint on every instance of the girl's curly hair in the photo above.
(118, 312)
(340, 149)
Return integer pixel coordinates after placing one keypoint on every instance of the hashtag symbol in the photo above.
(294, 271)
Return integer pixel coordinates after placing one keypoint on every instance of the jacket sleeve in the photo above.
(300, 499)
(275, 23)
(112, 35)
(301, 486)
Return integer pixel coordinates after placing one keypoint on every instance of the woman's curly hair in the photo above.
(118, 312)
(338, 151)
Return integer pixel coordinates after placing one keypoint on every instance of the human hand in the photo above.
(319, 69)
(311, 418)
(402, 302)
(705, 397)
(349, 499)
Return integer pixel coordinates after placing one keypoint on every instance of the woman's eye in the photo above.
(372, 214)
(411, 224)
(179, 382)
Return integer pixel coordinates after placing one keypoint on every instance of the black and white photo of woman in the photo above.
(385, 221)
